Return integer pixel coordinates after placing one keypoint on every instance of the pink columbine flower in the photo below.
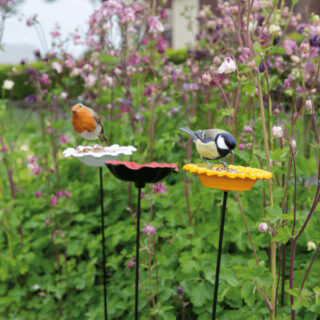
(263, 227)
(55, 33)
(206, 78)
(155, 25)
(4, 149)
(227, 66)
(47, 222)
(32, 163)
(70, 63)
(54, 201)
(247, 129)
(159, 188)
(67, 193)
(130, 264)
(38, 194)
(59, 194)
(145, 41)
(148, 229)
(276, 111)
(242, 147)
(64, 139)
(277, 132)
(162, 45)
(49, 130)
(44, 79)
(293, 144)
(287, 83)
(90, 80)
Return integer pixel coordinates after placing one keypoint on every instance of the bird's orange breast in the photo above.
(83, 120)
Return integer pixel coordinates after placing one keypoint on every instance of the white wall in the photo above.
(181, 33)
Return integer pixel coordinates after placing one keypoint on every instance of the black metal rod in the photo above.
(137, 255)
(216, 283)
(103, 248)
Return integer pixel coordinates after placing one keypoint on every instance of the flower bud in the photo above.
(311, 246)
(263, 227)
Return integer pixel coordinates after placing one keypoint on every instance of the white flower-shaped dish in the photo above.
(96, 156)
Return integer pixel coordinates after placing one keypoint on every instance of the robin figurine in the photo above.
(87, 123)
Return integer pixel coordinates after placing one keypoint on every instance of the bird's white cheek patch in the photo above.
(221, 144)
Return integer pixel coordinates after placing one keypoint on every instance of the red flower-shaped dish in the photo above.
(140, 174)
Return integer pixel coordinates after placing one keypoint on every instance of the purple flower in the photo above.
(241, 147)
(37, 53)
(54, 201)
(180, 290)
(4, 149)
(148, 229)
(47, 222)
(31, 99)
(49, 129)
(162, 45)
(130, 264)
(159, 188)
(64, 139)
(38, 194)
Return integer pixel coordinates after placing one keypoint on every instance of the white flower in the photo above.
(295, 59)
(227, 66)
(277, 132)
(90, 80)
(36, 287)
(263, 227)
(311, 246)
(308, 105)
(75, 72)
(275, 30)
(8, 84)
(56, 66)
(293, 144)
(63, 95)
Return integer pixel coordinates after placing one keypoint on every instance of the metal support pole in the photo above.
(216, 284)
(103, 248)
(137, 254)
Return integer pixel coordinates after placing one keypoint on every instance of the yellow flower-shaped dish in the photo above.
(235, 178)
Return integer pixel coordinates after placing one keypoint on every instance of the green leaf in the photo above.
(257, 47)
(273, 213)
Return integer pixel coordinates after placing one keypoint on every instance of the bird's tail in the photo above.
(102, 137)
(190, 132)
